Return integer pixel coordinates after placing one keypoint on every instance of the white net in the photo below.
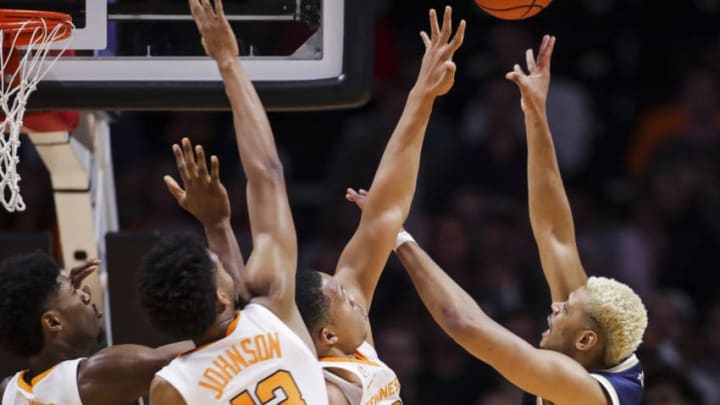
(18, 79)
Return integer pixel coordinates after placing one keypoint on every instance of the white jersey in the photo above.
(56, 386)
(260, 361)
(379, 384)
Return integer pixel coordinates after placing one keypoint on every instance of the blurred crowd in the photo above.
(635, 112)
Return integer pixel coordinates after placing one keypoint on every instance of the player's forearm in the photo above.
(395, 180)
(253, 133)
(222, 241)
(550, 213)
(457, 313)
(451, 307)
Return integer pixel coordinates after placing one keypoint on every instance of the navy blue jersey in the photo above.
(622, 383)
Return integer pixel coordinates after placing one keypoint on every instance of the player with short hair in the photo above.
(46, 317)
(262, 352)
(596, 324)
(335, 307)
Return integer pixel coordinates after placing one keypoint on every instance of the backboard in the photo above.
(146, 54)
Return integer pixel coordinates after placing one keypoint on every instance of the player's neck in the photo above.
(590, 361)
(334, 351)
(50, 356)
(216, 331)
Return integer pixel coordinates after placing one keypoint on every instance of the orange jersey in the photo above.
(260, 361)
(378, 383)
(56, 386)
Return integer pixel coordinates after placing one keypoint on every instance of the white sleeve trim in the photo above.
(605, 383)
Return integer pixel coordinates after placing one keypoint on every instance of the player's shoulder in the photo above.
(163, 392)
(624, 382)
(3, 384)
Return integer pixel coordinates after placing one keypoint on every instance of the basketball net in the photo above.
(20, 72)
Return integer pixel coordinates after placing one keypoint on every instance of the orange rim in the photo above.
(20, 25)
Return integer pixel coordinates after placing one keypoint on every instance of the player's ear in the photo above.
(328, 337)
(588, 339)
(222, 300)
(51, 322)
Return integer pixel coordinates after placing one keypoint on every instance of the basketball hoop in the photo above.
(25, 38)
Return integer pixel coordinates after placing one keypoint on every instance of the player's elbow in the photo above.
(458, 324)
(269, 171)
(386, 221)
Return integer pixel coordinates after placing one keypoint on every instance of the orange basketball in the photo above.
(513, 9)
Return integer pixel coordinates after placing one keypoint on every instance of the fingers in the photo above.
(180, 162)
(79, 273)
(530, 60)
(189, 156)
(434, 28)
(546, 57)
(447, 25)
(350, 194)
(363, 192)
(516, 75)
(214, 169)
(451, 69)
(195, 8)
(201, 163)
(355, 197)
(207, 7)
(425, 39)
(219, 10)
(174, 188)
(459, 37)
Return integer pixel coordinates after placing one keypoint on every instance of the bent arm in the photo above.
(122, 374)
(549, 375)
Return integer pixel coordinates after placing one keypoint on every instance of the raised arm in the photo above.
(550, 214)
(270, 270)
(122, 374)
(205, 197)
(393, 187)
(546, 374)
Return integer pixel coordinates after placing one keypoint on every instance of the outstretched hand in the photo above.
(437, 73)
(204, 196)
(535, 84)
(357, 197)
(218, 38)
(81, 272)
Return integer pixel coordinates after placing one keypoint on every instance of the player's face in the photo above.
(349, 319)
(81, 322)
(566, 323)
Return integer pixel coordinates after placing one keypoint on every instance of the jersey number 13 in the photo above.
(265, 391)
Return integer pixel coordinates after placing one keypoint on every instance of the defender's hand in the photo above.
(357, 197)
(535, 84)
(218, 38)
(204, 195)
(437, 72)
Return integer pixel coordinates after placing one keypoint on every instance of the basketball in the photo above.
(513, 9)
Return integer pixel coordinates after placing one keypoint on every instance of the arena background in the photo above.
(634, 110)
